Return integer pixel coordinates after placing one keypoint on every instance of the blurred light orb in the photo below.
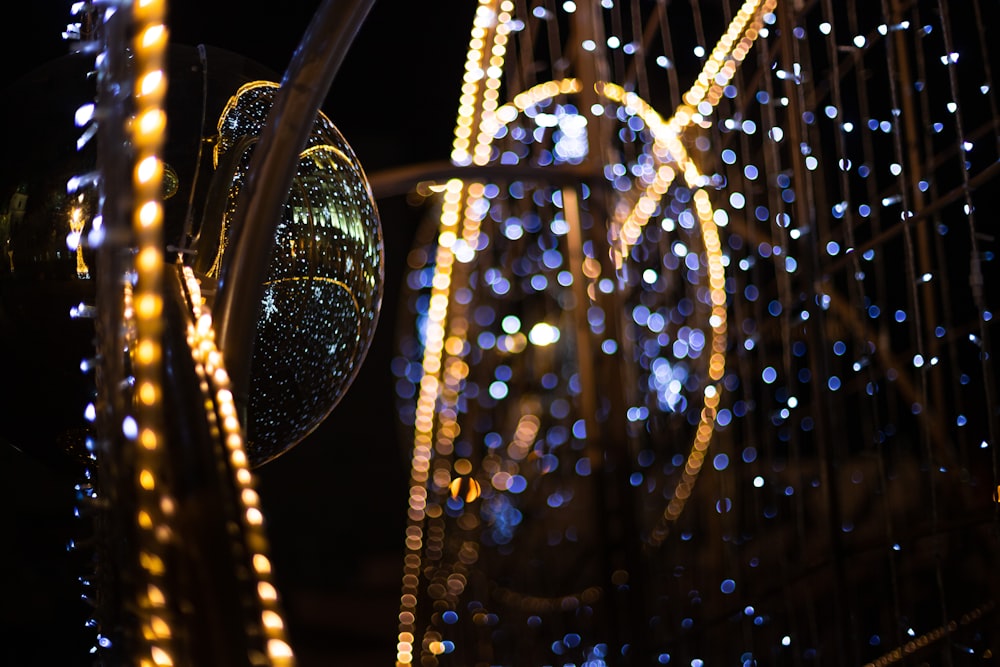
(324, 286)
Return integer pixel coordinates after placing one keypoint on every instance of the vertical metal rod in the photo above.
(272, 169)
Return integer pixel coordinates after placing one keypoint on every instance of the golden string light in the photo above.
(215, 385)
(145, 303)
(481, 82)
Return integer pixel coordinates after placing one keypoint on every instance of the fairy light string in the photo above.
(975, 275)
(216, 387)
(147, 131)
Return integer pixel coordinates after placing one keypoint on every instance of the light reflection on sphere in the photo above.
(324, 285)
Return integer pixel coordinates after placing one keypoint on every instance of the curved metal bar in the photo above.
(397, 181)
(303, 89)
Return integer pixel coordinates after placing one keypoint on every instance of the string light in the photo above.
(216, 385)
(145, 302)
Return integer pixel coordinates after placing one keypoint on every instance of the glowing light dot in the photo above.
(511, 324)
(276, 648)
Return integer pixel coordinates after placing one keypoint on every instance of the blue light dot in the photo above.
(833, 383)
(728, 586)
(517, 484)
(769, 375)
(720, 462)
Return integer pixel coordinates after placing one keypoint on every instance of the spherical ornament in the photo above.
(322, 291)
(324, 286)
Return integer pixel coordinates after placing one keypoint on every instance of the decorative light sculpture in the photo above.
(638, 304)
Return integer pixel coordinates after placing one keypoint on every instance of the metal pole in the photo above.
(272, 169)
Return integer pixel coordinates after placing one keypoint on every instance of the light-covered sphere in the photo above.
(324, 287)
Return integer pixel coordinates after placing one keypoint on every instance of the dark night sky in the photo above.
(334, 504)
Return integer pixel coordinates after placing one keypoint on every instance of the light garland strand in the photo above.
(147, 132)
(216, 387)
